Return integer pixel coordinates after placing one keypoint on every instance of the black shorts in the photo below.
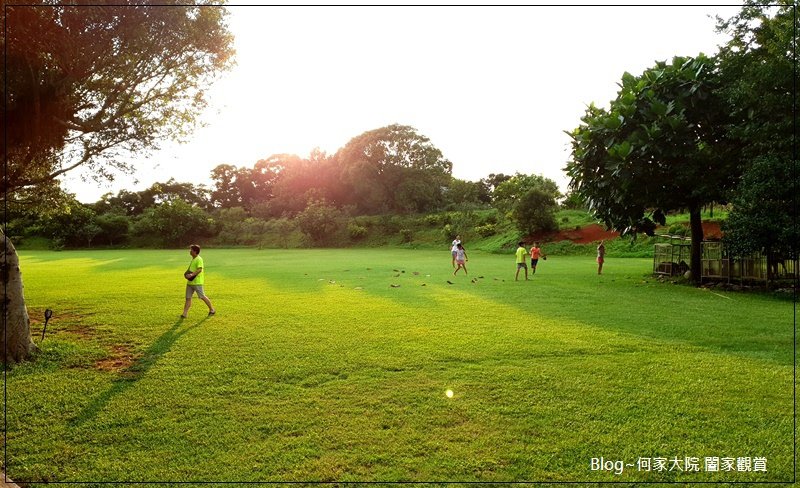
(534, 262)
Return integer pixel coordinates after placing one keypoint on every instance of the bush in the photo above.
(356, 231)
(678, 230)
(433, 220)
(406, 234)
(447, 232)
(319, 221)
(486, 230)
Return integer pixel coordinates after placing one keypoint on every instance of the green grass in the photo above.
(316, 369)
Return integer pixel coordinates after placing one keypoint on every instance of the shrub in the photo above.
(406, 234)
(319, 221)
(356, 231)
(678, 230)
(433, 220)
(447, 232)
(486, 230)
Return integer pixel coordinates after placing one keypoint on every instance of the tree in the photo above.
(661, 146)
(764, 216)
(174, 223)
(758, 76)
(226, 192)
(393, 169)
(757, 65)
(535, 212)
(507, 194)
(114, 227)
(490, 183)
(87, 85)
(319, 221)
(461, 192)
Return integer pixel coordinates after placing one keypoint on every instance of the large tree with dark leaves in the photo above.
(87, 85)
(660, 147)
(393, 169)
(758, 66)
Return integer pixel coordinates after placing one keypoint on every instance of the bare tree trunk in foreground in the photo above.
(16, 340)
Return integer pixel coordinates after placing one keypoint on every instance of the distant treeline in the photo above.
(388, 171)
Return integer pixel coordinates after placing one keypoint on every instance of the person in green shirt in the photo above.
(196, 276)
(522, 258)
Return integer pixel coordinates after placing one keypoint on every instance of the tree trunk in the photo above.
(696, 225)
(16, 340)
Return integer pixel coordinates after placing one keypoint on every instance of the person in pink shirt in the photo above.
(461, 259)
(536, 253)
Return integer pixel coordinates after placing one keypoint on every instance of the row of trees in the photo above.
(701, 130)
(170, 213)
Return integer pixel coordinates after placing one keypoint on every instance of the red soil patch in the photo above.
(585, 235)
(120, 359)
(712, 230)
(596, 232)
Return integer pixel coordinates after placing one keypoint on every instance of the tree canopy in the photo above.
(661, 146)
(88, 84)
(393, 169)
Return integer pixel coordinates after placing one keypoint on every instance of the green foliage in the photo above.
(511, 190)
(74, 226)
(393, 169)
(174, 224)
(758, 70)
(662, 145)
(461, 193)
(319, 221)
(573, 201)
(101, 82)
(534, 212)
(486, 230)
(407, 235)
(764, 215)
(356, 231)
(114, 228)
(678, 230)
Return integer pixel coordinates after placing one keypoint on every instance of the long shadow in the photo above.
(131, 375)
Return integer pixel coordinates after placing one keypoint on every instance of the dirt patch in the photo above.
(712, 230)
(585, 235)
(66, 321)
(120, 359)
(596, 232)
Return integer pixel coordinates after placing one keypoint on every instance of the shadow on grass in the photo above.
(131, 375)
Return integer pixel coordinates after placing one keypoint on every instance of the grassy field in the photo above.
(317, 369)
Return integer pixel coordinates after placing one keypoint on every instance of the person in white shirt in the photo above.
(454, 248)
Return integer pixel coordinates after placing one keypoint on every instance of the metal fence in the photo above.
(674, 257)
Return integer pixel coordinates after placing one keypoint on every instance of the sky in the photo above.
(494, 88)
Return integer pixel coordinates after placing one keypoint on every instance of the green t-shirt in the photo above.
(522, 253)
(193, 266)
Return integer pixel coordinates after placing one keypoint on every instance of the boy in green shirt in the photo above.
(522, 257)
(196, 278)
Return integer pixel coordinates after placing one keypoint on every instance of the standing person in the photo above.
(454, 249)
(536, 253)
(195, 284)
(601, 257)
(522, 257)
(461, 259)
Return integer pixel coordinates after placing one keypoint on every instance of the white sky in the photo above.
(492, 87)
